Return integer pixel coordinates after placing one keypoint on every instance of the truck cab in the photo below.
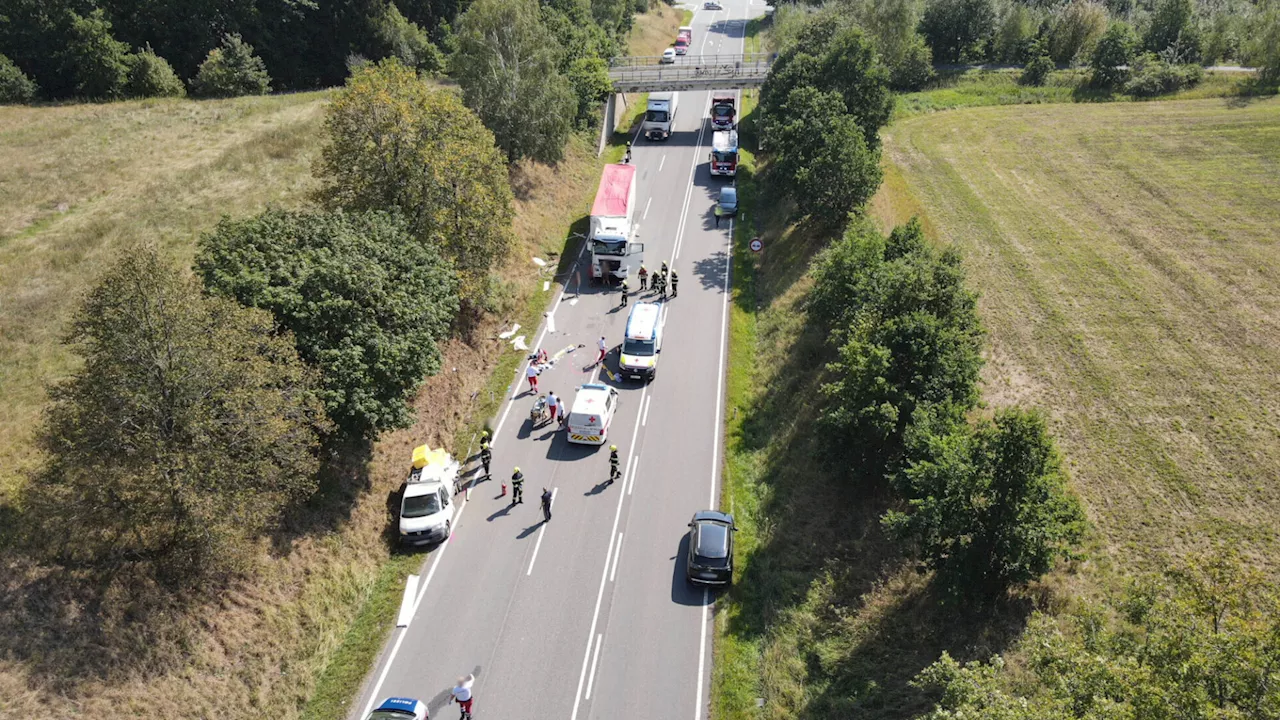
(723, 111)
(724, 153)
(684, 38)
(660, 115)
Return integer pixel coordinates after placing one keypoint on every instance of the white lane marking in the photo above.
(635, 467)
(617, 552)
(541, 531)
(406, 602)
(551, 322)
(422, 591)
(647, 403)
(715, 448)
(646, 209)
(688, 193)
(604, 573)
(594, 659)
(661, 162)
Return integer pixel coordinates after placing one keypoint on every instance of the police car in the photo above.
(642, 342)
(398, 708)
(593, 410)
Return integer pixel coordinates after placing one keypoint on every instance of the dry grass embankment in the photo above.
(296, 638)
(1127, 260)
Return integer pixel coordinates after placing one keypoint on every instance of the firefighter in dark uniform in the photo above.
(675, 280)
(517, 487)
(486, 455)
(614, 472)
(624, 294)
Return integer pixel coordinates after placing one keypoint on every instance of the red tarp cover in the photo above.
(615, 189)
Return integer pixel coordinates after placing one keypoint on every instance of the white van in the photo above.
(593, 409)
(426, 507)
(641, 342)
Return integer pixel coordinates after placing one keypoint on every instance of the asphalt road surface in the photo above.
(589, 615)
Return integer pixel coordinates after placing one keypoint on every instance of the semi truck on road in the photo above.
(660, 115)
(613, 254)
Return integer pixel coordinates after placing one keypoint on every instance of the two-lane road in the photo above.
(589, 615)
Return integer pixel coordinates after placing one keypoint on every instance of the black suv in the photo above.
(711, 548)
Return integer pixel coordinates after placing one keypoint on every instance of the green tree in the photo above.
(15, 86)
(1017, 32)
(958, 30)
(97, 60)
(1173, 25)
(822, 156)
(394, 142)
(590, 79)
(232, 70)
(508, 66)
(190, 426)
(1263, 48)
(366, 304)
(151, 76)
(1113, 54)
(892, 24)
(849, 66)
(988, 505)
(1075, 29)
(1036, 71)
(907, 336)
(397, 37)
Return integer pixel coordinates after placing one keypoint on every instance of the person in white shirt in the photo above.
(604, 347)
(532, 374)
(462, 693)
(553, 404)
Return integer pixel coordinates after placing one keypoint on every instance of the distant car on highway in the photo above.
(712, 5)
(710, 548)
(668, 55)
(397, 708)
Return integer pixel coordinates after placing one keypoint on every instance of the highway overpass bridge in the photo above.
(689, 72)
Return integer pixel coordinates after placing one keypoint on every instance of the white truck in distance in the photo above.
(660, 115)
(613, 254)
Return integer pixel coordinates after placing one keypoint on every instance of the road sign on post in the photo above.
(756, 245)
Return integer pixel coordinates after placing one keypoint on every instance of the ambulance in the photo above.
(593, 409)
(642, 342)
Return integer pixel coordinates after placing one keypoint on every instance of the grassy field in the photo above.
(1126, 257)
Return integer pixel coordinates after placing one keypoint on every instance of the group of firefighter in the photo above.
(517, 477)
(661, 280)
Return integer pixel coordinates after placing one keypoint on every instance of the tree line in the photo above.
(110, 49)
(1155, 46)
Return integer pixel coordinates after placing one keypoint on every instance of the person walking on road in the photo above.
(627, 158)
(462, 693)
(675, 280)
(532, 374)
(624, 294)
(553, 404)
(662, 286)
(644, 278)
(517, 487)
(604, 347)
(664, 270)
(486, 455)
(546, 505)
(614, 472)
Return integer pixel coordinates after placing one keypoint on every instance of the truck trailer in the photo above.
(613, 254)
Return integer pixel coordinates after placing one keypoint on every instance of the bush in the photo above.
(958, 30)
(15, 86)
(1173, 25)
(151, 76)
(367, 305)
(1014, 38)
(189, 427)
(1036, 71)
(988, 506)
(590, 79)
(822, 156)
(1263, 49)
(1152, 76)
(232, 70)
(908, 338)
(1075, 29)
(405, 41)
(915, 68)
(98, 62)
(1113, 54)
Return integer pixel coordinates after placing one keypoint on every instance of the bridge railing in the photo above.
(755, 60)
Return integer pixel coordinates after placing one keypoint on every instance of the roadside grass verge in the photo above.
(1126, 256)
(686, 17)
(976, 87)
(655, 30)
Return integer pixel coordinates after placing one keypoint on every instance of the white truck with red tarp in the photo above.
(723, 111)
(684, 39)
(613, 254)
(724, 153)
